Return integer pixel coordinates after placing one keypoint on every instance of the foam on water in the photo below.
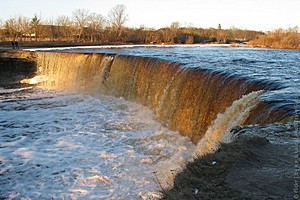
(34, 80)
(65, 146)
(6, 91)
(128, 46)
(219, 131)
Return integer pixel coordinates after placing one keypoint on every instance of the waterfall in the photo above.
(203, 105)
(219, 131)
(185, 99)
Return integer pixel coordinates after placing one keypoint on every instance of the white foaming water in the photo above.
(74, 146)
(128, 46)
(6, 91)
(219, 131)
(35, 80)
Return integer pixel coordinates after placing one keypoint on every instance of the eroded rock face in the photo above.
(15, 66)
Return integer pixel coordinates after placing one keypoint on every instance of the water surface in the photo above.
(65, 145)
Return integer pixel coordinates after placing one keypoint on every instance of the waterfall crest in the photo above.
(184, 99)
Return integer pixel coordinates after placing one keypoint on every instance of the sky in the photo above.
(260, 15)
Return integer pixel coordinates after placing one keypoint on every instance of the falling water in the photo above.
(81, 142)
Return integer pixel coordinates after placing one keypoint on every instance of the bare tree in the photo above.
(96, 26)
(24, 25)
(17, 27)
(10, 26)
(117, 18)
(50, 31)
(93, 27)
(173, 31)
(65, 27)
(81, 17)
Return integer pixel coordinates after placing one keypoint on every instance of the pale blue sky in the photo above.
(247, 14)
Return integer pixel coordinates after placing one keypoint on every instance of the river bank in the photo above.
(259, 164)
(6, 45)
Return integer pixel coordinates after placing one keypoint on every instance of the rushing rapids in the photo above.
(201, 104)
(185, 99)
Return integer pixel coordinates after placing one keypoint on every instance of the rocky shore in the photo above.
(262, 163)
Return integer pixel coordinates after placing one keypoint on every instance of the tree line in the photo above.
(86, 26)
(280, 38)
(82, 26)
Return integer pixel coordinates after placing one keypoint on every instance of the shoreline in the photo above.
(253, 166)
(6, 45)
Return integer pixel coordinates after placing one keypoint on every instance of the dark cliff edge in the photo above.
(15, 66)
